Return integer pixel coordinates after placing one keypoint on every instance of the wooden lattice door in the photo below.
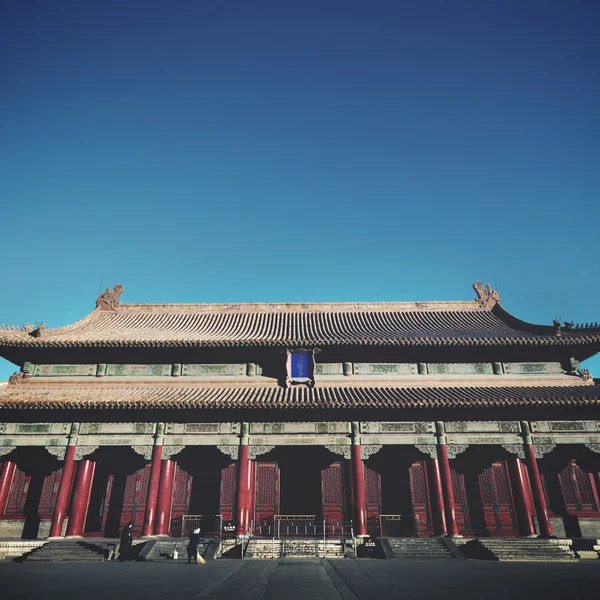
(419, 490)
(228, 486)
(372, 499)
(578, 489)
(17, 495)
(134, 499)
(461, 506)
(266, 496)
(496, 497)
(182, 492)
(332, 494)
(48, 494)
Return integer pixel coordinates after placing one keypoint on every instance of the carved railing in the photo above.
(283, 526)
(211, 526)
(395, 526)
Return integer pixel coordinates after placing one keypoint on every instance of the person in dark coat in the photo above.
(126, 542)
(192, 547)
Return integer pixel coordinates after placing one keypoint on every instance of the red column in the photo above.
(538, 491)
(244, 470)
(360, 504)
(64, 489)
(349, 483)
(523, 497)
(164, 505)
(448, 491)
(438, 495)
(81, 497)
(251, 495)
(150, 514)
(8, 471)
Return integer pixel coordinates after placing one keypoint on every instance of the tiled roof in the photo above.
(398, 324)
(104, 396)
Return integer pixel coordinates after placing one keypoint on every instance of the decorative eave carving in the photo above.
(486, 296)
(429, 449)
(341, 450)
(145, 451)
(6, 450)
(58, 451)
(169, 451)
(82, 451)
(231, 451)
(516, 449)
(254, 451)
(455, 449)
(542, 449)
(109, 299)
(370, 449)
(15, 378)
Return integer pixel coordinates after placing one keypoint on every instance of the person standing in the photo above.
(126, 542)
(192, 547)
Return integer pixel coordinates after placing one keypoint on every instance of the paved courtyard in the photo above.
(304, 579)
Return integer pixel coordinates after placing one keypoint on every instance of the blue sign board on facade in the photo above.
(300, 364)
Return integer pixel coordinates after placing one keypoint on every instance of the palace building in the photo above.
(408, 419)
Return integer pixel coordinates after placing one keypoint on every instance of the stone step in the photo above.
(425, 548)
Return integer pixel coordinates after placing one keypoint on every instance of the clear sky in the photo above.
(202, 151)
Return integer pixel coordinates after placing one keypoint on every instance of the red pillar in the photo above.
(448, 491)
(538, 491)
(349, 482)
(251, 495)
(148, 528)
(64, 489)
(244, 470)
(360, 504)
(523, 498)
(6, 477)
(81, 497)
(164, 505)
(438, 496)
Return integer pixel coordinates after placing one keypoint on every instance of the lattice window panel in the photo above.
(18, 492)
(333, 485)
(461, 505)
(181, 489)
(49, 492)
(485, 486)
(266, 484)
(372, 489)
(420, 496)
(144, 484)
(228, 487)
(577, 489)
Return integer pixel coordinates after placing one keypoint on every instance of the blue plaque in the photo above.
(300, 365)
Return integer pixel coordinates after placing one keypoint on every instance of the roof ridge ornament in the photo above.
(487, 296)
(109, 299)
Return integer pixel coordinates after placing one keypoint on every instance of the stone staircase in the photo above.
(295, 548)
(520, 550)
(70, 551)
(16, 548)
(429, 548)
(163, 549)
(264, 548)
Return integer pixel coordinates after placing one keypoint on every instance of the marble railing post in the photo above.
(536, 483)
(150, 514)
(243, 490)
(64, 487)
(164, 506)
(6, 477)
(360, 504)
(81, 497)
(447, 488)
(438, 495)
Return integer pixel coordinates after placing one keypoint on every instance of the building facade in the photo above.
(391, 419)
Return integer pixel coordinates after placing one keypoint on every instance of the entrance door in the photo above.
(373, 500)
(497, 501)
(461, 506)
(182, 492)
(266, 498)
(419, 491)
(332, 493)
(227, 500)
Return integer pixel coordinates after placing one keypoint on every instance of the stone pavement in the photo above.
(302, 579)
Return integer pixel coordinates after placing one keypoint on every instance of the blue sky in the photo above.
(200, 151)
